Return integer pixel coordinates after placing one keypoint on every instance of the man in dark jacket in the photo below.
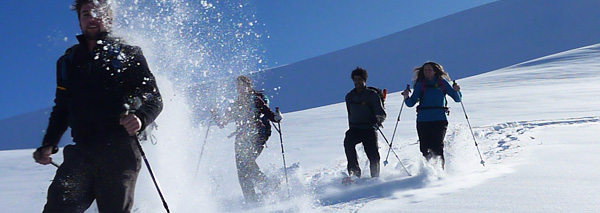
(365, 115)
(96, 80)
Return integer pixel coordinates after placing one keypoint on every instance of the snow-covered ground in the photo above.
(536, 124)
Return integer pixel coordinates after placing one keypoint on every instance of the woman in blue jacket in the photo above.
(431, 85)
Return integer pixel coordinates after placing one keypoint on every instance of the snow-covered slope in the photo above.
(470, 42)
(536, 124)
(26, 130)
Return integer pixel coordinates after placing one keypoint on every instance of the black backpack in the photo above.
(381, 93)
(264, 131)
(66, 64)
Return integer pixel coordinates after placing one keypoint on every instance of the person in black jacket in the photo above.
(251, 115)
(96, 80)
(365, 115)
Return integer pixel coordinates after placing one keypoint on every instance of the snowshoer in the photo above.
(431, 85)
(95, 79)
(251, 115)
(365, 115)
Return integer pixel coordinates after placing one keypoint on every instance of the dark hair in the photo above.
(359, 71)
(242, 79)
(437, 68)
(77, 4)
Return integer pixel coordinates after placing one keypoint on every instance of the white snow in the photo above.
(536, 124)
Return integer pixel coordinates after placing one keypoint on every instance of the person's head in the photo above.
(359, 77)
(95, 17)
(244, 84)
(430, 70)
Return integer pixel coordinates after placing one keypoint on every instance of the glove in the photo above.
(378, 121)
(218, 120)
(42, 154)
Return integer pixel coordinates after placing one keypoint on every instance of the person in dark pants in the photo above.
(430, 89)
(251, 115)
(365, 115)
(96, 79)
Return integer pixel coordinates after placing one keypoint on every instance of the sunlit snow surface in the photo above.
(536, 124)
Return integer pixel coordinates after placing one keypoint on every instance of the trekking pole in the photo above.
(385, 162)
(139, 145)
(282, 152)
(202, 149)
(470, 128)
(54, 164)
(386, 141)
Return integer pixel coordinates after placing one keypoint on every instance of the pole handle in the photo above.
(406, 89)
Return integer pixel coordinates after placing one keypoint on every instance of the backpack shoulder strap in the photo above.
(379, 92)
(64, 66)
(439, 82)
(422, 89)
(376, 90)
(442, 85)
(262, 96)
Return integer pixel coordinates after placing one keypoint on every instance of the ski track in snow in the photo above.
(498, 143)
(502, 145)
(321, 189)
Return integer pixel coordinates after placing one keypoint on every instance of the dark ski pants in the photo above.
(431, 138)
(106, 173)
(368, 137)
(249, 174)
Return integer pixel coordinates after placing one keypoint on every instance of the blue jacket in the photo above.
(432, 101)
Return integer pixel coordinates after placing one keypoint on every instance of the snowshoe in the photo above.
(269, 186)
(349, 179)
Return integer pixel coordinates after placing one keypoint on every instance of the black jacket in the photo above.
(247, 111)
(92, 88)
(365, 110)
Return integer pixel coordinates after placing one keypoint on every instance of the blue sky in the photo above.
(36, 33)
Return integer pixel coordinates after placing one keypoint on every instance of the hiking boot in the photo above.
(429, 155)
(374, 169)
(251, 198)
(354, 172)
